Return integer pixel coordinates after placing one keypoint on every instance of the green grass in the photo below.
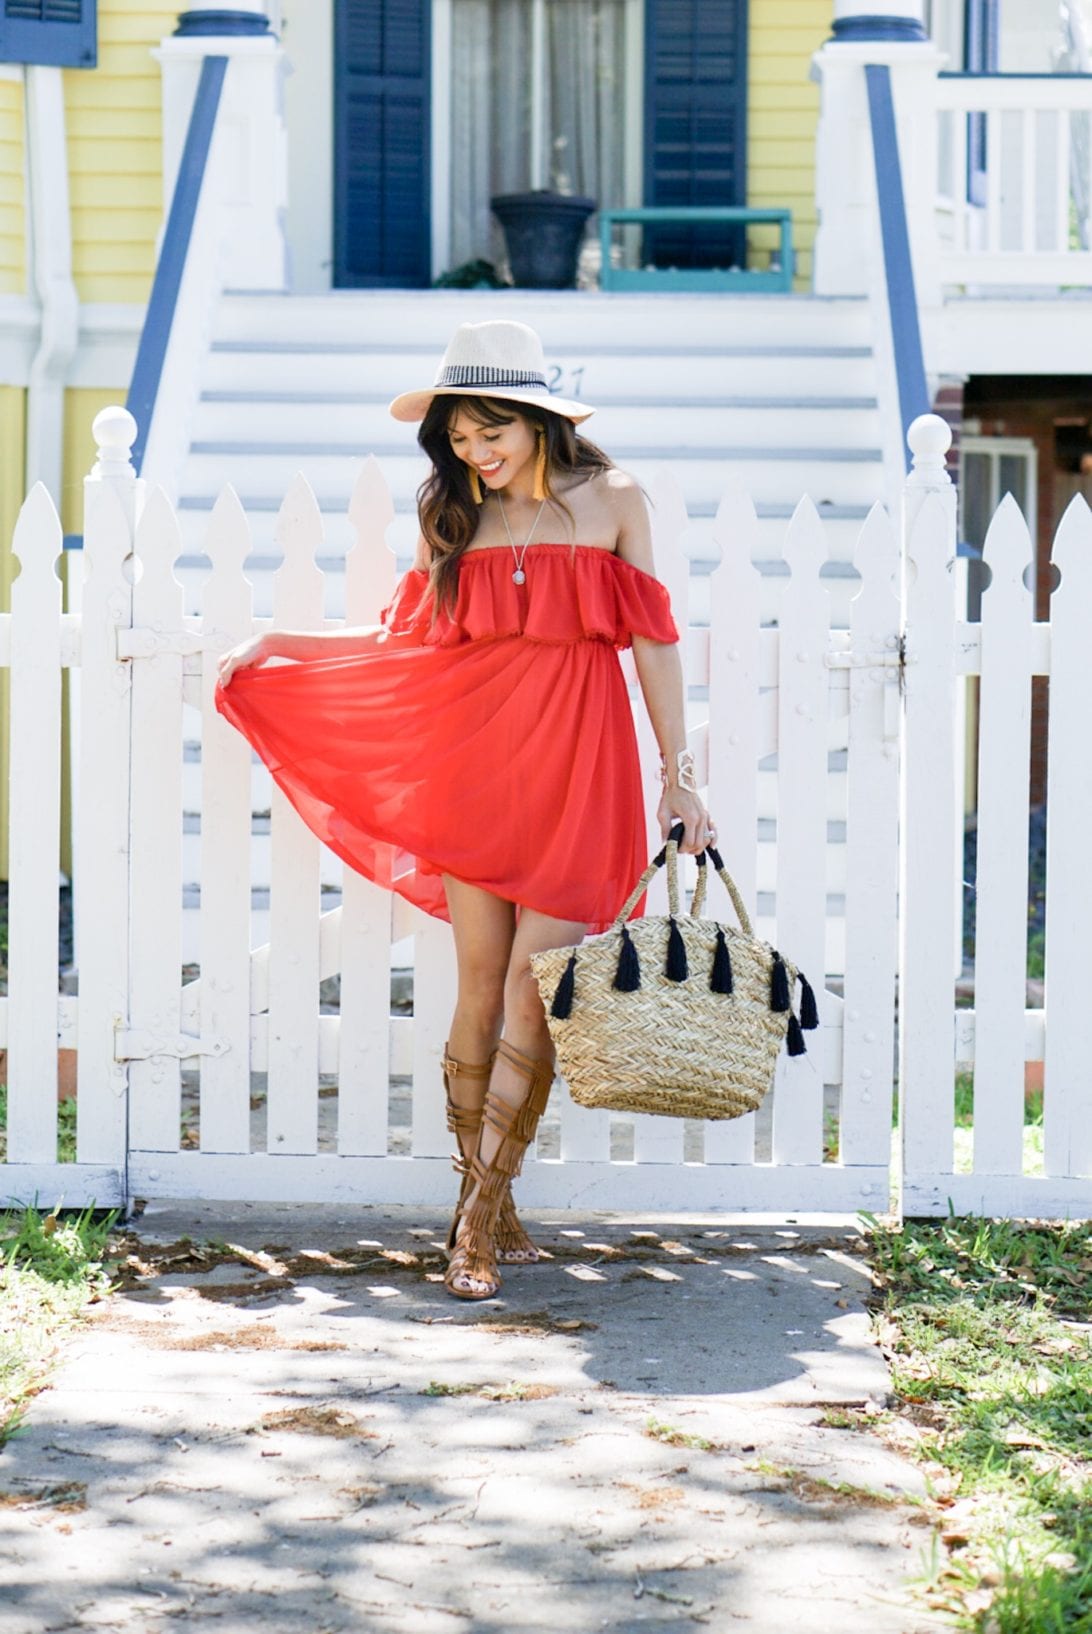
(66, 1127)
(50, 1269)
(986, 1329)
(673, 1437)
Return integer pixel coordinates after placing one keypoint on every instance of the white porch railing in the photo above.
(1014, 160)
(796, 729)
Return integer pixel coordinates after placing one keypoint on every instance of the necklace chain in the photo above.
(519, 576)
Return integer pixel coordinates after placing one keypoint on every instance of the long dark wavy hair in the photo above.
(446, 507)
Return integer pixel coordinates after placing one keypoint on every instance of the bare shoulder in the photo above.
(423, 555)
(625, 500)
(617, 488)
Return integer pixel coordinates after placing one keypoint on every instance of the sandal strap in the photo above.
(461, 1119)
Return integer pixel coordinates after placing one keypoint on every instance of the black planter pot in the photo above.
(543, 232)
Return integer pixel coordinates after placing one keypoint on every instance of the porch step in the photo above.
(599, 377)
(424, 320)
(361, 424)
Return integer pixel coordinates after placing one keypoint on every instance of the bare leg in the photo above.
(484, 926)
(526, 1031)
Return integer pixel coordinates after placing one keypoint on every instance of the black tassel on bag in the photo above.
(676, 969)
(779, 984)
(809, 1010)
(562, 1007)
(720, 980)
(796, 1037)
(627, 978)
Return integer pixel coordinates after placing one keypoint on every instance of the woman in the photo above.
(476, 751)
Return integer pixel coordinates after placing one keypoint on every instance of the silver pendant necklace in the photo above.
(519, 576)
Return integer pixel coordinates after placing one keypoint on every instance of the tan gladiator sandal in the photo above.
(513, 1245)
(474, 1259)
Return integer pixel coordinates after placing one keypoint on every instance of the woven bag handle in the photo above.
(670, 855)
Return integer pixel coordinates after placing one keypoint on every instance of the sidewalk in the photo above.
(318, 1438)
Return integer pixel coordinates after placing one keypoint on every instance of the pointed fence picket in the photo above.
(1004, 757)
(363, 1110)
(822, 810)
(804, 626)
(34, 835)
(1067, 1133)
(293, 1055)
(155, 867)
(735, 743)
(219, 1012)
(871, 885)
(112, 497)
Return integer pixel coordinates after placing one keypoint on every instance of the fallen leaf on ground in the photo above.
(317, 1421)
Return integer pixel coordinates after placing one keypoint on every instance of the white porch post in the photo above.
(892, 32)
(251, 150)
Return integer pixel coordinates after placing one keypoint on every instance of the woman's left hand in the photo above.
(682, 805)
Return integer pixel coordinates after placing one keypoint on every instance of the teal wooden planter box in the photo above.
(685, 280)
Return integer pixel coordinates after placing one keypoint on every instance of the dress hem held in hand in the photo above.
(494, 743)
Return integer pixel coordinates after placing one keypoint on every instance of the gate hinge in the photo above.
(133, 1044)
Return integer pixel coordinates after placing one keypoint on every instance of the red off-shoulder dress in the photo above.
(495, 743)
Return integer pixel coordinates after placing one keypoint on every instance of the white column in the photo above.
(250, 152)
(50, 244)
(846, 239)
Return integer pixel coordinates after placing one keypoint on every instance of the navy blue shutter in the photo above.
(381, 72)
(52, 33)
(695, 123)
(981, 55)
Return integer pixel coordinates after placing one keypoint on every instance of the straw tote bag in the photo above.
(677, 1015)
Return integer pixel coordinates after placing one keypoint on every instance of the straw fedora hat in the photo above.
(495, 359)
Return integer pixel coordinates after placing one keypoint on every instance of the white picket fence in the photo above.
(796, 728)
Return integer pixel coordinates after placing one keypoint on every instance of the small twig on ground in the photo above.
(642, 1588)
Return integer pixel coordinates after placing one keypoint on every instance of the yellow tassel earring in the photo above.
(475, 484)
(539, 489)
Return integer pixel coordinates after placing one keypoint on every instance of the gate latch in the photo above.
(133, 1044)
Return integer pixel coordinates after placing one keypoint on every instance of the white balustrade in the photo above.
(1014, 183)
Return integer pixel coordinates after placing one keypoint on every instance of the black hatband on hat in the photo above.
(480, 374)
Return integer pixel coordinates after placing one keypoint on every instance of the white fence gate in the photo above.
(796, 727)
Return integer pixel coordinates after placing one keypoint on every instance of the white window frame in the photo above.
(995, 449)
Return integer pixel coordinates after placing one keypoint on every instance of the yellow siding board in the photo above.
(780, 124)
(785, 16)
(115, 157)
(12, 190)
(100, 258)
(126, 124)
(134, 27)
(99, 192)
(782, 112)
